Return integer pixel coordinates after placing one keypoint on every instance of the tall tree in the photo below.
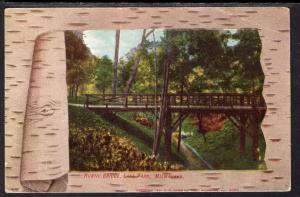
(78, 64)
(81, 73)
(104, 73)
(115, 77)
(248, 52)
(138, 58)
(205, 62)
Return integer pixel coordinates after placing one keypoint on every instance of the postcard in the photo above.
(147, 99)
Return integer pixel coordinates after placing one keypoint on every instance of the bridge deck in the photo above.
(122, 108)
(204, 102)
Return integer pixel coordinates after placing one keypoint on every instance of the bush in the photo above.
(94, 147)
(98, 149)
(144, 121)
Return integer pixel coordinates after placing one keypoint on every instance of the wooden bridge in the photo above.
(243, 110)
(208, 102)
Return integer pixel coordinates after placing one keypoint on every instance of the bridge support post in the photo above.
(255, 147)
(179, 133)
(168, 137)
(242, 134)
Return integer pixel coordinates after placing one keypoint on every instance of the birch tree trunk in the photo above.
(45, 150)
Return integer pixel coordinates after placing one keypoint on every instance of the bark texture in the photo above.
(45, 155)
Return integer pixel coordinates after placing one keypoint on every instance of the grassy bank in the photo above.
(130, 118)
(221, 148)
(83, 119)
(96, 144)
(79, 100)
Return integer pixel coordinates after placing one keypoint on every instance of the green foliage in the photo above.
(202, 60)
(124, 67)
(178, 157)
(199, 60)
(82, 118)
(104, 73)
(97, 149)
(248, 52)
(95, 146)
(80, 64)
(81, 72)
(222, 148)
(145, 79)
(76, 50)
(80, 100)
(131, 117)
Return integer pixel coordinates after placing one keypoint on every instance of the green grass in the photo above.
(130, 117)
(80, 99)
(222, 148)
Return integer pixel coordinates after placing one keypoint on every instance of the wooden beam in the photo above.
(233, 122)
(242, 134)
(168, 138)
(163, 110)
(174, 127)
(179, 135)
(179, 119)
(255, 137)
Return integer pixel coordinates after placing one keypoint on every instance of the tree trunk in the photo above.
(168, 137)
(115, 76)
(134, 68)
(72, 91)
(242, 134)
(76, 91)
(180, 124)
(255, 140)
(162, 111)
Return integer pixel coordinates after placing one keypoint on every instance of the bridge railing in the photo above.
(201, 99)
(217, 99)
(122, 99)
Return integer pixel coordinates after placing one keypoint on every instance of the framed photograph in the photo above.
(147, 99)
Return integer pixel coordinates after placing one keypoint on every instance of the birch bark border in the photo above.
(23, 25)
